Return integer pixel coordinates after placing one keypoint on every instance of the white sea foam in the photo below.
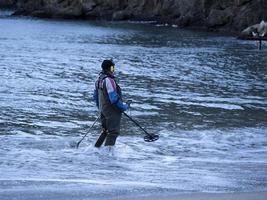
(203, 93)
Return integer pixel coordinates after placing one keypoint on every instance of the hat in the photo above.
(106, 64)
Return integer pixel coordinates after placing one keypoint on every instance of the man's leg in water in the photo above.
(103, 134)
(113, 126)
(101, 138)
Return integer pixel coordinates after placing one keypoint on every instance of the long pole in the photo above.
(87, 132)
(135, 122)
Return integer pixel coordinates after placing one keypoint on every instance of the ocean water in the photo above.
(205, 94)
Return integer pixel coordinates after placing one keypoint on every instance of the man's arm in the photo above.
(113, 95)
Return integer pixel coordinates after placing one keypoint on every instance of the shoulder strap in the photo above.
(99, 83)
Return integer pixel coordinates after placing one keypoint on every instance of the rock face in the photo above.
(7, 3)
(50, 8)
(233, 15)
(256, 30)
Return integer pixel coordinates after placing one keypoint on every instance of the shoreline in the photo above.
(212, 16)
(77, 194)
(95, 190)
(130, 21)
(202, 196)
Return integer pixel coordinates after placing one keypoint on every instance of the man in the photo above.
(108, 98)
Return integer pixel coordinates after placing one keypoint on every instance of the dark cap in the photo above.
(106, 64)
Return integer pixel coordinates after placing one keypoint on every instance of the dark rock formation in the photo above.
(233, 15)
(50, 8)
(7, 3)
(258, 31)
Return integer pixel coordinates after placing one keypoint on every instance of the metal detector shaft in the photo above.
(135, 122)
(87, 132)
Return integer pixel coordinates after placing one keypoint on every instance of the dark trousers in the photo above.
(111, 128)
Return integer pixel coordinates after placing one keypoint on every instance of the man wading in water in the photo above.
(108, 98)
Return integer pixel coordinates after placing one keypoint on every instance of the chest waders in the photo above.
(110, 115)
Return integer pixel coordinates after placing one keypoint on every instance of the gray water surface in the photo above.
(205, 94)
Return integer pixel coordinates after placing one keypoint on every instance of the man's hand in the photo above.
(129, 103)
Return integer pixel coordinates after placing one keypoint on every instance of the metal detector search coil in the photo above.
(148, 137)
(151, 138)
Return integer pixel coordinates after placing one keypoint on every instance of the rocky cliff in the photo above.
(233, 15)
(7, 3)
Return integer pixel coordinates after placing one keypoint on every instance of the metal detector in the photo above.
(149, 137)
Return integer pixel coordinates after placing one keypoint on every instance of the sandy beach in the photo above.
(203, 196)
(87, 195)
(71, 190)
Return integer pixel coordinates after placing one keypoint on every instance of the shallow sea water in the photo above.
(205, 94)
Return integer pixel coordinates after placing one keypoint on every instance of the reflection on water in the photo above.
(204, 93)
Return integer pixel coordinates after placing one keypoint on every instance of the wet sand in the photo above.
(202, 196)
(93, 190)
(59, 194)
